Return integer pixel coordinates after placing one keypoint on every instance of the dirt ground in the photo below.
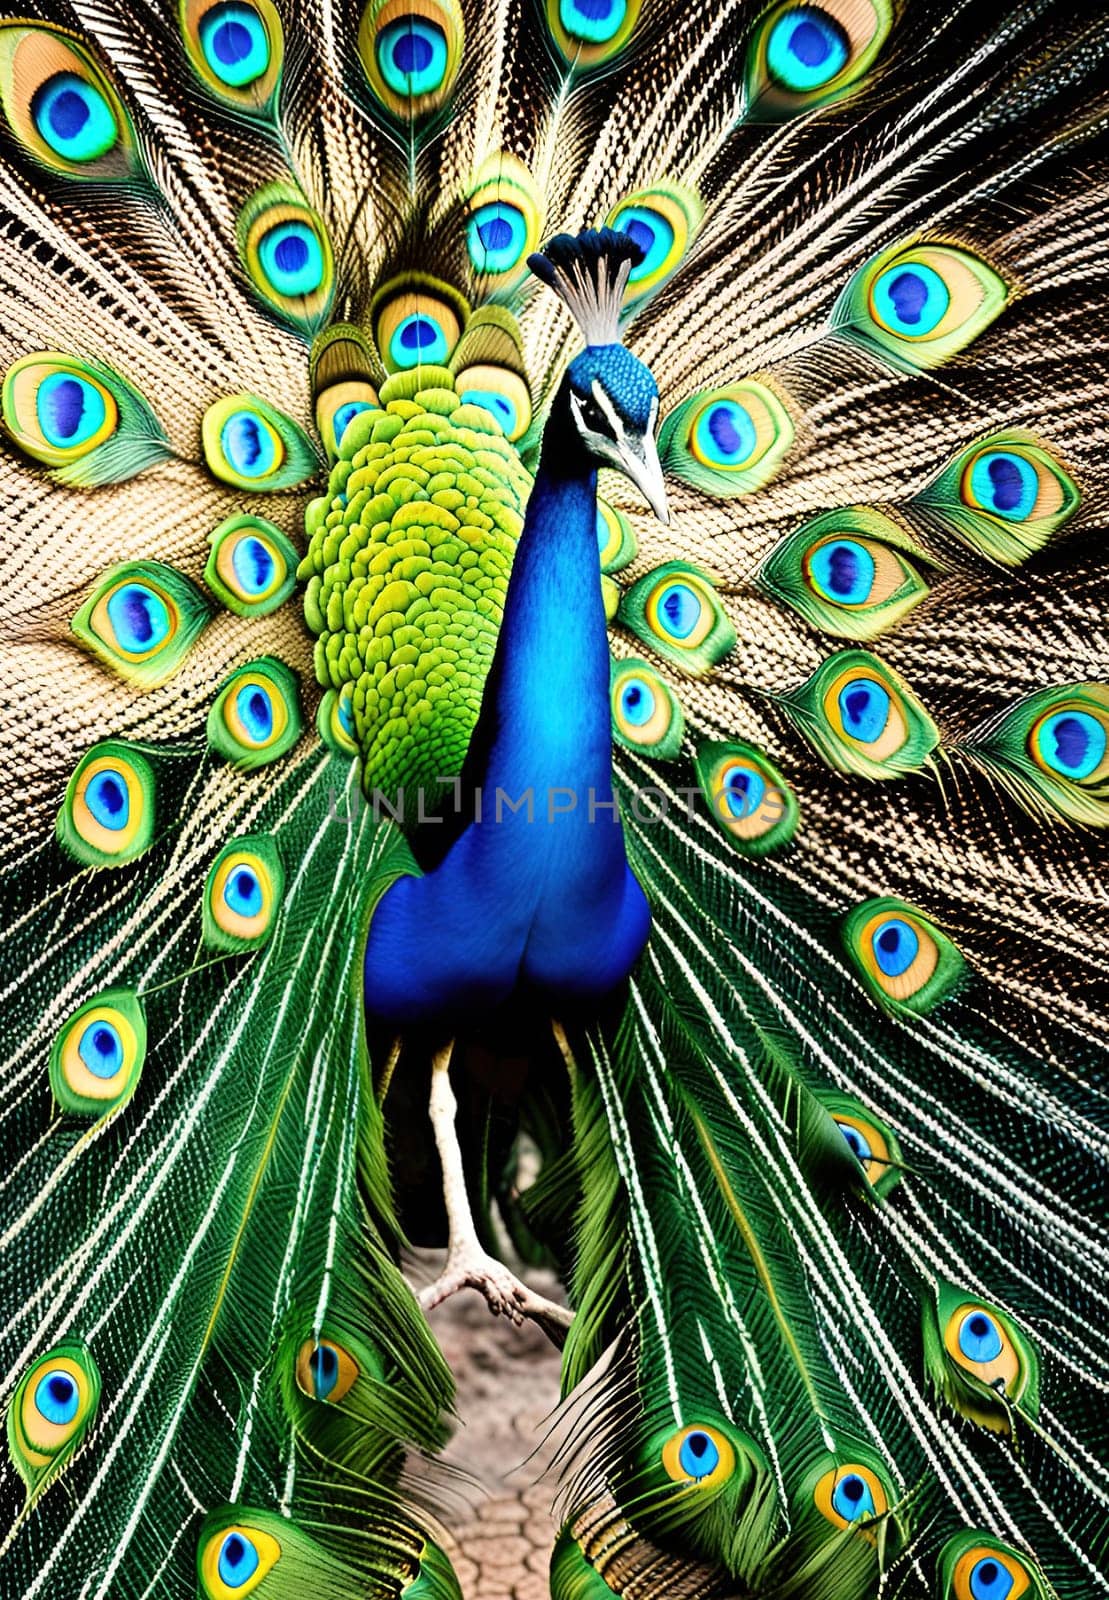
(501, 1518)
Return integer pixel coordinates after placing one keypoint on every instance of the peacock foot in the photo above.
(469, 1267)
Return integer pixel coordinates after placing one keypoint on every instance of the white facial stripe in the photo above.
(606, 405)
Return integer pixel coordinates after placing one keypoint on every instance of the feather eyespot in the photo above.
(98, 1054)
(616, 542)
(728, 441)
(862, 718)
(905, 962)
(325, 1370)
(411, 50)
(255, 718)
(700, 1456)
(335, 721)
(979, 1360)
(338, 406)
(869, 1140)
(251, 446)
(287, 255)
(141, 620)
(234, 1559)
(417, 322)
(51, 1411)
(502, 393)
(78, 418)
(662, 221)
(242, 894)
(236, 48)
(849, 1493)
(646, 715)
(975, 1566)
(60, 104)
(803, 56)
(747, 796)
(252, 566)
(589, 32)
(504, 219)
(107, 816)
(917, 305)
(845, 573)
(1005, 496)
(1052, 752)
(676, 611)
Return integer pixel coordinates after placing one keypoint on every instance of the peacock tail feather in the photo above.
(826, 1178)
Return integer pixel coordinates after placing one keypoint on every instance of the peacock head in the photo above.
(611, 396)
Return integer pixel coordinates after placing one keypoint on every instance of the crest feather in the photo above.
(589, 273)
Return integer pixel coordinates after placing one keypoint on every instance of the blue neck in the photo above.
(546, 710)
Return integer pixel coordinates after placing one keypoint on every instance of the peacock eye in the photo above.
(662, 221)
(974, 1566)
(236, 48)
(504, 216)
(616, 543)
(850, 1492)
(871, 1143)
(1053, 748)
(646, 715)
(98, 1054)
(325, 1370)
(905, 962)
(862, 718)
(699, 1455)
(727, 441)
(287, 254)
(58, 409)
(235, 1559)
(502, 393)
(251, 446)
(982, 1363)
(60, 105)
(255, 718)
(916, 305)
(411, 50)
(676, 611)
(803, 56)
(1005, 496)
(141, 620)
(589, 32)
(53, 1407)
(747, 796)
(107, 816)
(242, 894)
(251, 568)
(335, 721)
(844, 573)
(415, 326)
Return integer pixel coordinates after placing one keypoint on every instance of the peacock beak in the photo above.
(639, 461)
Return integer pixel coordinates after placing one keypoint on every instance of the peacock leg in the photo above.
(468, 1266)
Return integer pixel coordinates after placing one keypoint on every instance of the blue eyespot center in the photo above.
(346, 415)
(654, 235)
(989, 1580)
(498, 405)
(592, 21)
(895, 946)
(56, 1398)
(698, 1456)
(253, 565)
(243, 892)
(413, 56)
(1006, 484)
(323, 1364)
(496, 235)
(292, 259)
(101, 1049)
(679, 610)
(724, 434)
(108, 799)
(744, 790)
(235, 43)
(910, 300)
(346, 712)
(855, 1141)
(255, 711)
(69, 409)
(74, 118)
(865, 708)
(852, 1498)
(806, 49)
(979, 1337)
(637, 702)
(419, 340)
(248, 446)
(842, 571)
(238, 1560)
(1072, 743)
(140, 619)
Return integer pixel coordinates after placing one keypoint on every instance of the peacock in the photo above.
(556, 694)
